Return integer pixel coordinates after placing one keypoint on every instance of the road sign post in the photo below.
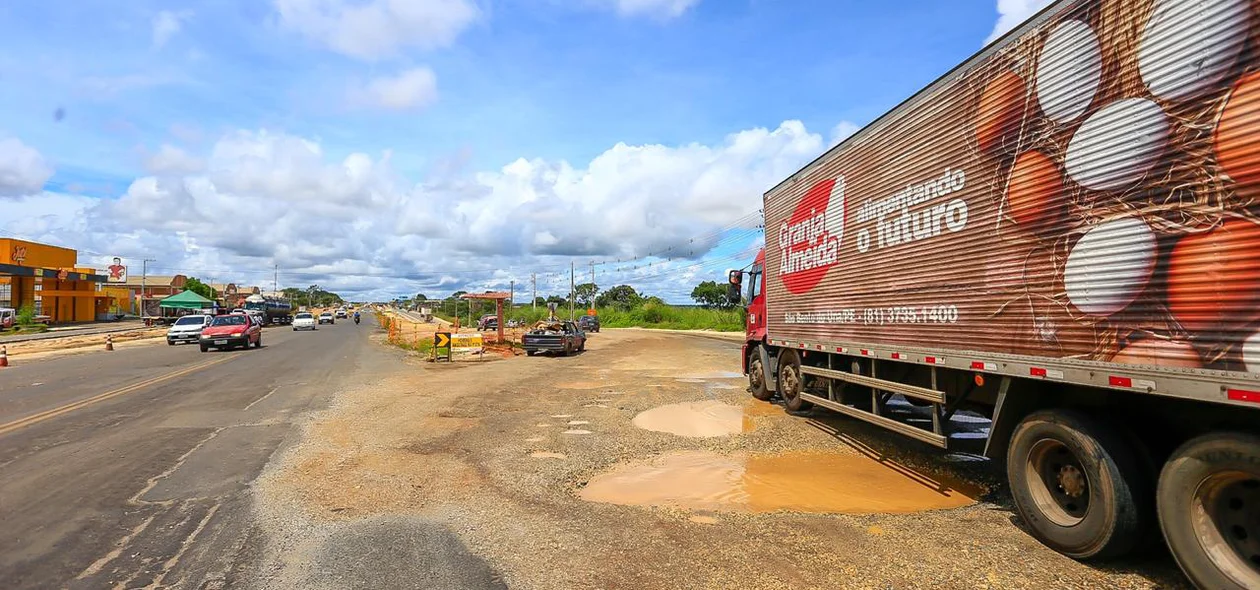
(442, 345)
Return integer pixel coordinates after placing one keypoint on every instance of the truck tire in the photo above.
(1078, 484)
(757, 376)
(1209, 509)
(791, 382)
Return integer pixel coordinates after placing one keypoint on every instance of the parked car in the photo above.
(326, 318)
(8, 317)
(303, 321)
(558, 337)
(187, 329)
(231, 330)
(589, 323)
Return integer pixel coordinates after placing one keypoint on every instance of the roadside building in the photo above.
(49, 279)
(144, 292)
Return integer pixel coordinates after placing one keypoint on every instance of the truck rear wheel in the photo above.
(791, 384)
(1078, 484)
(757, 376)
(1209, 509)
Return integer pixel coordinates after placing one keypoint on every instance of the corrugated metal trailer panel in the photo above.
(1086, 190)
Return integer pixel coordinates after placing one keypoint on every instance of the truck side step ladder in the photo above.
(936, 437)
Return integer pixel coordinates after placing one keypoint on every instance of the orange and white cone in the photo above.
(4, 356)
(109, 342)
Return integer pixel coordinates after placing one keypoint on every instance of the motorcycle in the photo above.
(356, 320)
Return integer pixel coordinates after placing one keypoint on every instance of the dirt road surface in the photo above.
(476, 475)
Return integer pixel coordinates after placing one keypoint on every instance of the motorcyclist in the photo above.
(356, 318)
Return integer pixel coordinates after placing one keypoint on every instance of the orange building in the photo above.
(49, 279)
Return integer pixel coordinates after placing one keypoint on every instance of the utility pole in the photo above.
(511, 292)
(572, 287)
(144, 276)
(275, 281)
(533, 280)
(592, 282)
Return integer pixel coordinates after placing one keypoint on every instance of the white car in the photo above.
(187, 328)
(341, 314)
(303, 321)
(326, 318)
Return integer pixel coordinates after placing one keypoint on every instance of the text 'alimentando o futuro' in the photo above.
(903, 217)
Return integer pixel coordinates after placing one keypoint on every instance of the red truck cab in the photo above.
(755, 322)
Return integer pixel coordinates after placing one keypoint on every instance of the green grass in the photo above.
(651, 315)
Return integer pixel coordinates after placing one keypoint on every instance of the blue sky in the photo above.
(456, 107)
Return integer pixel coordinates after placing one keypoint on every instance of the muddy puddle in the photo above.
(696, 419)
(797, 482)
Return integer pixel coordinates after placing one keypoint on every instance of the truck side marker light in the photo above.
(982, 366)
(898, 356)
(1045, 373)
(933, 360)
(979, 380)
(1128, 382)
(1242, 395)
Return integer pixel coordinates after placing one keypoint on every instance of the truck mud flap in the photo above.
(771, 367)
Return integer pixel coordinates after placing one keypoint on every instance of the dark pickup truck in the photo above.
(560, 337)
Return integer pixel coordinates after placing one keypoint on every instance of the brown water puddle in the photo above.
(706, 418)
(798, 482)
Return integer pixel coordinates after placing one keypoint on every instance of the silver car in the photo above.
(187, 328)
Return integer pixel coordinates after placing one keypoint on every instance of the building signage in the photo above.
(117, 272)
(470, 342)
(19, 254)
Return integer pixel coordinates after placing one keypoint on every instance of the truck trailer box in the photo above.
(1083, 192)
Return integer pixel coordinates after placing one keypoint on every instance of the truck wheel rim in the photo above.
(756, 376)
(791, 383)
(1225, 514)
(1058, 483)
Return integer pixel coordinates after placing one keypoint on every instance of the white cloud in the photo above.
(353, 224)
(172, 160)
(411, 89)
(1013, 12)
(23, 170)
(166, 24)
(842, 131)
(652, 8)
(378, 28)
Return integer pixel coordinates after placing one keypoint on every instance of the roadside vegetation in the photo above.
(24, 321)
(618, 307)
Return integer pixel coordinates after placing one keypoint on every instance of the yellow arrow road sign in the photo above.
(441, 340)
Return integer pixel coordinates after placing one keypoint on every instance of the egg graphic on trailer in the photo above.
(1110, 266)
(1117, 145)
(1068, 71)
(836, 210)
(1188, 46)
(1251, 353)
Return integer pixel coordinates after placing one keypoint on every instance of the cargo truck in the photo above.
(274, 310)
(1062, 235)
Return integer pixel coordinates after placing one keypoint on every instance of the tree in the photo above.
(421, 297)
(540, 301)
(711, 295)
(623, 296)
(556, 299)
(196, 286)
(585, 294)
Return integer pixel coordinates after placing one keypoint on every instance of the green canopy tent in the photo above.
(186, 300)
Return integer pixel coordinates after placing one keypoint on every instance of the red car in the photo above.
(231, 330)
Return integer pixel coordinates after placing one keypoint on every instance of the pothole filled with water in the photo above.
(798, 482)
(696, 419)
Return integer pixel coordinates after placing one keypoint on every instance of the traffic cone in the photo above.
(4, 356)
(109, 342)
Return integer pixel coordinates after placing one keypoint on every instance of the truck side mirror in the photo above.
(733, 286)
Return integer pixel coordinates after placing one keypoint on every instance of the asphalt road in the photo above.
(132, 468)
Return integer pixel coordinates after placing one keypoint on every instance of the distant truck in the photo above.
(1030, 239)
(275, 311)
